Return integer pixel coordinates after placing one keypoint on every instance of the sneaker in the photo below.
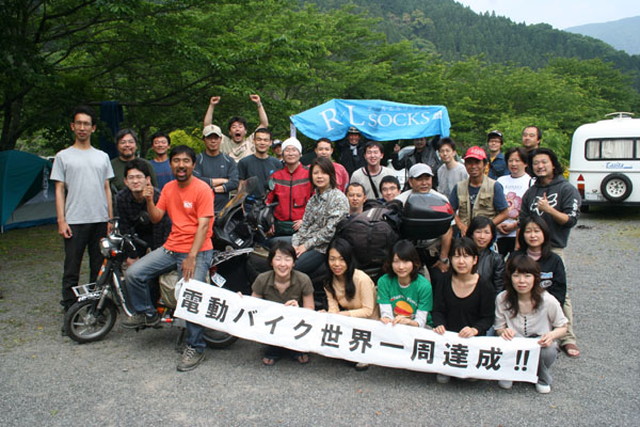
(141, 320)
(153, 320)
(133, 322)
(442, 379)
(505, 384)
(190, 359)
(543, 388)
(361, 366)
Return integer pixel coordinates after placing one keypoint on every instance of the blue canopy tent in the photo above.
(26, 196)
(377, 120)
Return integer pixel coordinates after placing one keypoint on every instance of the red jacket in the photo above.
(291, 191)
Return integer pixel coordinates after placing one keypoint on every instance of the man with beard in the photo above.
(557, 202)
(189, 203)
(127, 145)
(237, 145)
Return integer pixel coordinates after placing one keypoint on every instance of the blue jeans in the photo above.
(158, 262)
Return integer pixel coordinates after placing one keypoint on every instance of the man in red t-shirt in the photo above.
(189, 203)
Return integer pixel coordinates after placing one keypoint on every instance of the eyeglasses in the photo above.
(83, 124)
(135, 177)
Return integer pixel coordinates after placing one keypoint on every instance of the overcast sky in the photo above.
(560, 14)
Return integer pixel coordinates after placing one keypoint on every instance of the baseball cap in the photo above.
(210, 130)
(353, 129)
(292, 142)
(420, 169)
(495, 134)
(475, 152)
(276, 142)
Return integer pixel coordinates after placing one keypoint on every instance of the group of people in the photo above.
(515, 206)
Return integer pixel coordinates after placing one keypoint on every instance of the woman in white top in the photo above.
(524, 309)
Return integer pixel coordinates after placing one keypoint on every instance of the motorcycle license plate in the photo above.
(218, 280)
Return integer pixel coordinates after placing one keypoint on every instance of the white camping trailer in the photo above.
(605, 161)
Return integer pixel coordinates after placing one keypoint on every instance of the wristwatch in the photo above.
(444, 260)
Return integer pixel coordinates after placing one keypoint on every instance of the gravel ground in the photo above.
(130, 378)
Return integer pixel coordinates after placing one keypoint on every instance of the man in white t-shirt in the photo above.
(515, 185)
(372, 173)
(451, 171)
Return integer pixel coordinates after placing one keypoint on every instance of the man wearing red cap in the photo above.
(479, 194)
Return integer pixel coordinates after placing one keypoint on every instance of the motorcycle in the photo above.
(94, 314)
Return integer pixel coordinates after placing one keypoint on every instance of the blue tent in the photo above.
(24, 185)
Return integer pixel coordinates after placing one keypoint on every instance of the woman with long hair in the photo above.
(535, 242)
(464, 300)
(324, 210)
(525, 309)
(350, 292)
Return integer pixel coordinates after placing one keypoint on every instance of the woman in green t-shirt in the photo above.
(404, 296)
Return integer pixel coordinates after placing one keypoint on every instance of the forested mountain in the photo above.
(455, 31)
(622, 34)
(161, 61)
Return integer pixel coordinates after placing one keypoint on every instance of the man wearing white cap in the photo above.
(434, 252)
(421, 181)
(291, 189)
(216, 169)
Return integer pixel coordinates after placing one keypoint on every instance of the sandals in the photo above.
(269, 361)
(302, 358)
(571, 350)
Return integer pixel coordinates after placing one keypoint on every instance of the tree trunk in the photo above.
(11, 124)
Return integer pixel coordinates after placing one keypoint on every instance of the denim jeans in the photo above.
(158, 262)
(83, 236)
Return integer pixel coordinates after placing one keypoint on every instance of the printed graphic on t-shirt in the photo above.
(403, 308)
(515, 202)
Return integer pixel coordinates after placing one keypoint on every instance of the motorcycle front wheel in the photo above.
(83, 323)
(218, 339)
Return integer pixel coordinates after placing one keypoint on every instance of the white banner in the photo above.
(358, 340)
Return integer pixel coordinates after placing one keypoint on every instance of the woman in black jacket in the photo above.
(490, 264)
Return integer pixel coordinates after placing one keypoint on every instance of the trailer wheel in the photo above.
(616, 187)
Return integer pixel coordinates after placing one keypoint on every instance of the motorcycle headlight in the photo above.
(106, 247)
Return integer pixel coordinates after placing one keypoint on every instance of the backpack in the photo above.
(371, 234)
